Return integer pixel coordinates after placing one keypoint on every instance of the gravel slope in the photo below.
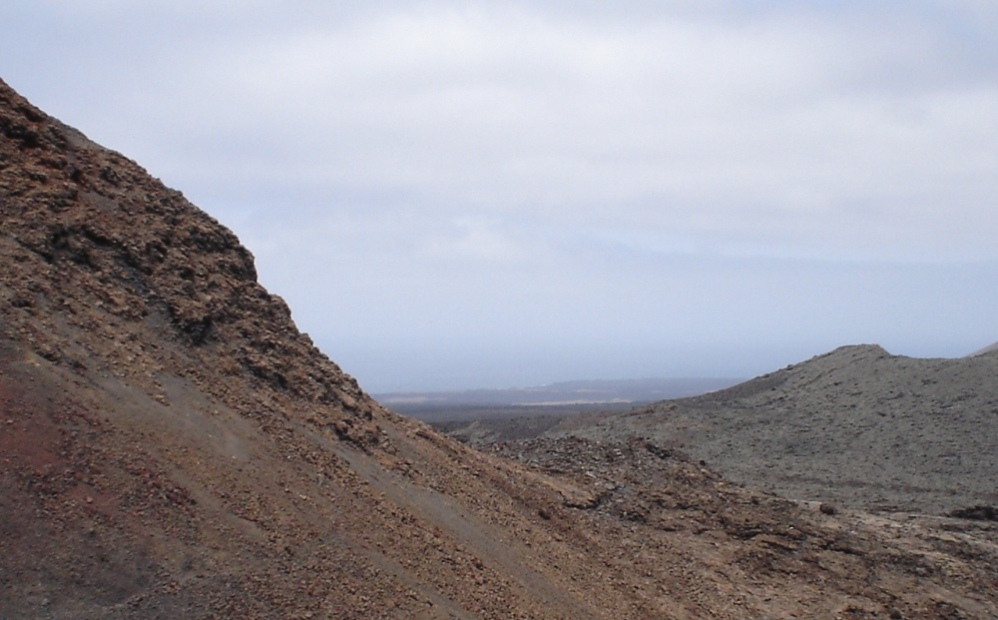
(857, 426)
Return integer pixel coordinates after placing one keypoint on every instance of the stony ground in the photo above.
(172, 446)
(768, 556)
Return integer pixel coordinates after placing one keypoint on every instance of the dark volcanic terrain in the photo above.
(171, 446)
(857, 426)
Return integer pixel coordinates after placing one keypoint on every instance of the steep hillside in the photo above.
(858, 426)
(171, 446)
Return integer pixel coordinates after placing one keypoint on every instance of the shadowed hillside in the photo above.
(171, 446)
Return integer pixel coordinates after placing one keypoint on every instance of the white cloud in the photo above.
(670, 124)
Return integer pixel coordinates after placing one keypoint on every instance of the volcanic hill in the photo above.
(171, 446)
(856, 426)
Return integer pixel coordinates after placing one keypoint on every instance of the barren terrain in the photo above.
(856, 426)
(171, 446)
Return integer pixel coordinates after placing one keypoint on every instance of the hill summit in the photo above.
(171, 446)
(856, 425)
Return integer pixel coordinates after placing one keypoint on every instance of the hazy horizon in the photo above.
(486, 195)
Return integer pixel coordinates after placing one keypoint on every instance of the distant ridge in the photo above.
(562, 393)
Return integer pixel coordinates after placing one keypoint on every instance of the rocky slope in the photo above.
(172, 446)
(857, 426)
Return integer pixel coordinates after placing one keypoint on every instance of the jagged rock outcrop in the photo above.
(92, 239)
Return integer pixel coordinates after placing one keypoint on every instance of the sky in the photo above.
(457, 195)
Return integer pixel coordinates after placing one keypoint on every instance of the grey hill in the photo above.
(857, 425)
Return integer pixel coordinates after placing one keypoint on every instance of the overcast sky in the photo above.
(497, 194)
